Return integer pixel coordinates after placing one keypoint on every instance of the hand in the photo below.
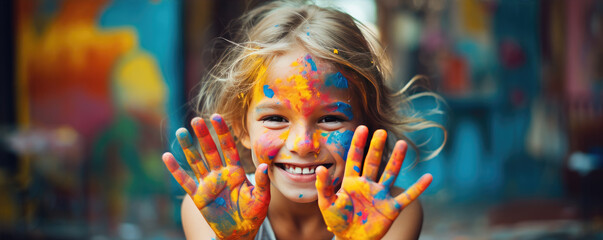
(230, 204)
(363, 208)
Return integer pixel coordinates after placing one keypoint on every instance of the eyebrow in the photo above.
(270, 105)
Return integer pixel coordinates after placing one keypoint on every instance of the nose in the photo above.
(303, 140)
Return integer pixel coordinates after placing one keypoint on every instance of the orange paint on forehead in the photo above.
(299, 86)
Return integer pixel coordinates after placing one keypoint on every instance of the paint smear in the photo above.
(269, 93)
(311, 62)
(337, 80)
(342, 141)
(344, 108)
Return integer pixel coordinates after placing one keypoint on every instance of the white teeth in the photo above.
(298, 170)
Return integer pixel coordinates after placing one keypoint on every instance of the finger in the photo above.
(414, 191)
(214, 161)
(355, 154)
(393, 166)
(326, 192)
(262, 183)
(373, 157)
(192, 155)
(189, 185)
(229, 148)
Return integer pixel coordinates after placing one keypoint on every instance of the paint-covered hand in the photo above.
(364, 208)
(230, 204)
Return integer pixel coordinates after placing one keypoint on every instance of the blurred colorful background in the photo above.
(93, 91)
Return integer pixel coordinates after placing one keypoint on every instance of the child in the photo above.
(303, 87)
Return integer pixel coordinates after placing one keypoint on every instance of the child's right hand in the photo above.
(231, 205)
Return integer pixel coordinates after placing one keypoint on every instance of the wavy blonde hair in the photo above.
(326, 33)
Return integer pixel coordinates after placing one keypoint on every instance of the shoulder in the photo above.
(410, 221)
(193, 223)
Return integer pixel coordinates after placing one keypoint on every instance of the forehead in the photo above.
(301, 82)
(301, 69)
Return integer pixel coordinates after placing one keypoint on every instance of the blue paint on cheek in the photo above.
(311, 62)
(345, 109)
(342, 141)
(337, 80)
(301, 195)
(268, 92)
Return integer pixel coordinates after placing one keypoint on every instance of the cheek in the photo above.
(339, 143)
(267, 146)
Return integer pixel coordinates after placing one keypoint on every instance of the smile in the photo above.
(299, 170)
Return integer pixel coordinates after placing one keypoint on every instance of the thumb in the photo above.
(261, 191)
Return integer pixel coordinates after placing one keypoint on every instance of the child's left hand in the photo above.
(363, 208)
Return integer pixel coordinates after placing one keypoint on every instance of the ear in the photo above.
(243, 137)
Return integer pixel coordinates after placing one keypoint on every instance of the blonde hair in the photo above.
(329, 34)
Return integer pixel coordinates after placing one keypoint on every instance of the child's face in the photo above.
(301, 116)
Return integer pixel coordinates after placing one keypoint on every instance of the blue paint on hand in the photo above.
(301, 195)
(381, 194)
(268, 92)
(357, 169)
(220, 201)
(359, 214)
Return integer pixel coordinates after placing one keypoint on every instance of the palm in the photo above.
(219, 197)
(231, 205)
(364, 208)
(363, 212)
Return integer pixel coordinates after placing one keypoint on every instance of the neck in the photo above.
(293, 220)
(282, 207)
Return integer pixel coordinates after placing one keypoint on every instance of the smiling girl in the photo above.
(303, 88)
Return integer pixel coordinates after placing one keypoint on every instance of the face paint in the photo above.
(268, 92)
(341, 142)
(337, 80)
(300, 117)
(344, 108)
(268, 146)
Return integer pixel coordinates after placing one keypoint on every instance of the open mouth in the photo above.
(307, 170)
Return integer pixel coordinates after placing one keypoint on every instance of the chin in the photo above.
(301, 197)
